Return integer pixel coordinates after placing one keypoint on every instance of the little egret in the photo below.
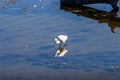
(61, 39)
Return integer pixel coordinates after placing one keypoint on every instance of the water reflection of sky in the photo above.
(27, 47)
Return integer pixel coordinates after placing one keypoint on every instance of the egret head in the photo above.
(57, 41)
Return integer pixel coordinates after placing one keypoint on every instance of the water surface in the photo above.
(27, 32)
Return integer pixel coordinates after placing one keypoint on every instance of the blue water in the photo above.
(27, 32)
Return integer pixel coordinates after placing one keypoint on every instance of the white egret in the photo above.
(61, 39)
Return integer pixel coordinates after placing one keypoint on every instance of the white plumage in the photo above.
(61, 39)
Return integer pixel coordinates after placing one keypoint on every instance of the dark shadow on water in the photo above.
(111, 18)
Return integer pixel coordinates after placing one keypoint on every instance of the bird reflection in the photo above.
(111, 18)
(7, 2)
(59, 40)
(61, 51)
